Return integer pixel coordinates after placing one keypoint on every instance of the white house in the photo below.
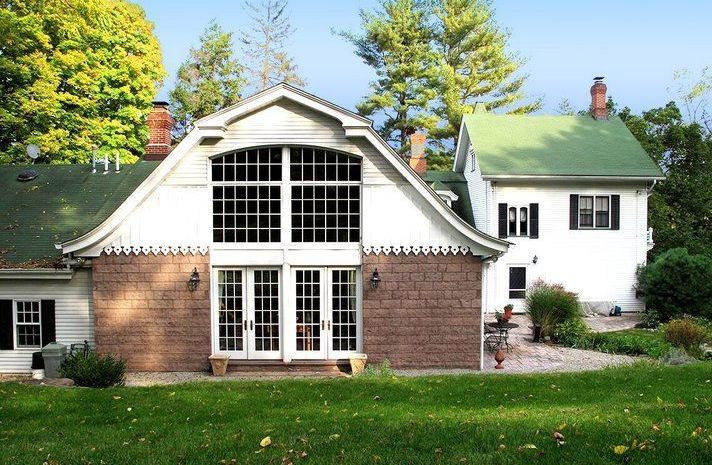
(570, 193)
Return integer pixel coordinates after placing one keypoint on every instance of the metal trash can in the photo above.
(53, 355)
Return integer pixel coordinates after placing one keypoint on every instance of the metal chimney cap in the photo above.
(598, 78)
(27, 175)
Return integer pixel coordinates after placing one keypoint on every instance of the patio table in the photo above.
(503, 329)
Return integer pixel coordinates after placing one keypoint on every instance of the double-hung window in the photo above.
(594, 211)
(28, 325)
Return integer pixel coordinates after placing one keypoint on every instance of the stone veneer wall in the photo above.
(144, 312)
(425, 313)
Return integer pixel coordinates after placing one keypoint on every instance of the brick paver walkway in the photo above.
(529, 357)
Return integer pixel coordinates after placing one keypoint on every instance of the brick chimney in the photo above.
(160, 122)
(598, 99)
(417, 159)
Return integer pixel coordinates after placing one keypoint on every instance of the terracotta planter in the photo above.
(507, 314)
(219, 363)
(358, 363)
(499, 358)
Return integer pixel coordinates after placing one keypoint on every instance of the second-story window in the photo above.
(326, 196)
(518, 221)
(247, 196)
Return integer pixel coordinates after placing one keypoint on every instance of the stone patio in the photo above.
(528, 357)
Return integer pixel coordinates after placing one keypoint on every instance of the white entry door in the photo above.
(327, 312)
(248, 313)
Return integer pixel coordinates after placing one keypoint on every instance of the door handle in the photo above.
(252, 325)
(322, 325)
(244, 325)
(328, 325)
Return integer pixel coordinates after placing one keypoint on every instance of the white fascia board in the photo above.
(503, 177)
(449, 194)
(37, 273)
(463, 141)
(485, 240)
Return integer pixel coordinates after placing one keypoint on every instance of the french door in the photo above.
(327, 312)
(248, 313)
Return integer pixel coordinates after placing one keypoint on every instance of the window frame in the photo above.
(286, 183)
(509, 282)
(517, 220)
(594, 220)
(15, 324)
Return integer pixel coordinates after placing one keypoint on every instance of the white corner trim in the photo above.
(54, 274)
(156, 249)
(416, 249)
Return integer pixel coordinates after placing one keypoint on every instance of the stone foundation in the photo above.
(144, 312)
(426, 311)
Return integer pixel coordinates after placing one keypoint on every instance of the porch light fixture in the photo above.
(375, 279)
(535, 259)
(194, 280)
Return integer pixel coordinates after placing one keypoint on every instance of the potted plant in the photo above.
(508, 311)
(218, 362)
(499, 316)
(358, 363)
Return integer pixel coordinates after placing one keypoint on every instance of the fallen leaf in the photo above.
(334, 437)
(266, 441)
(116, 397)
(697, 431)
(620, 450)
(528, 446)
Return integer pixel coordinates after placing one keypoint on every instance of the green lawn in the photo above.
(476, 419)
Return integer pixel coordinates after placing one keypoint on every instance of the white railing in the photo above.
(649, 237)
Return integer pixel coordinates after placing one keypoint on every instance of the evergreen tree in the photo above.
(210, 79)
(74, 74)
(475, 66)
(265, 45)
(396, 43)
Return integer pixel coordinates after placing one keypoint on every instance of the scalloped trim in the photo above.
(156, 249)
(416, 249)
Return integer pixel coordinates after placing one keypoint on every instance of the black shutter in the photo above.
(502, 220)
(573, 211)
(534, 220)
(48, 326)
(7, 333)
(615, 212)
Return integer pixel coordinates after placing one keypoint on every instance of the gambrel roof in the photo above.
(214, 127)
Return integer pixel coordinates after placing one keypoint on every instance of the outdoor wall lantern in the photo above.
(375, 279)
(535, 259)
(194, 280)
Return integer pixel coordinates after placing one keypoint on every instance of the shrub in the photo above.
(549, 305)
(676, 283)
(380, 370)
(574, 333)
(571, 333)
(93, 370)
(685, 333)
(649, 318)
(676, 356)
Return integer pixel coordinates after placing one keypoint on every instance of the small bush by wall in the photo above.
(93, 370)
(686, 334)
(678, 283)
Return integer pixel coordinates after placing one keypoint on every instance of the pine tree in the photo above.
(210, 79)
(265, 45)
(474, 66)
(396, 43)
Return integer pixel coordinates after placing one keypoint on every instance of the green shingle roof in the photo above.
(62, 203)
(557, 146)
(457, 183)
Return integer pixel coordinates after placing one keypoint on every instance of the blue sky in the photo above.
(637, 45)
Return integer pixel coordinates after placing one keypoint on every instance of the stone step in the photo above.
(334, 367)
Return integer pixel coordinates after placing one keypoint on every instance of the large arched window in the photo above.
(249, 185)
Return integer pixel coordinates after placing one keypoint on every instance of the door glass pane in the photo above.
(343, 310)
(230, 311)
(308, 299)
(266, 310)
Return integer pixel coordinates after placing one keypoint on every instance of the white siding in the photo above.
(599, 265)
(74, 314)
(479, 190)
(179, 211)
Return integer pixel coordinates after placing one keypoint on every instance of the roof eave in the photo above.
(567, 177)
